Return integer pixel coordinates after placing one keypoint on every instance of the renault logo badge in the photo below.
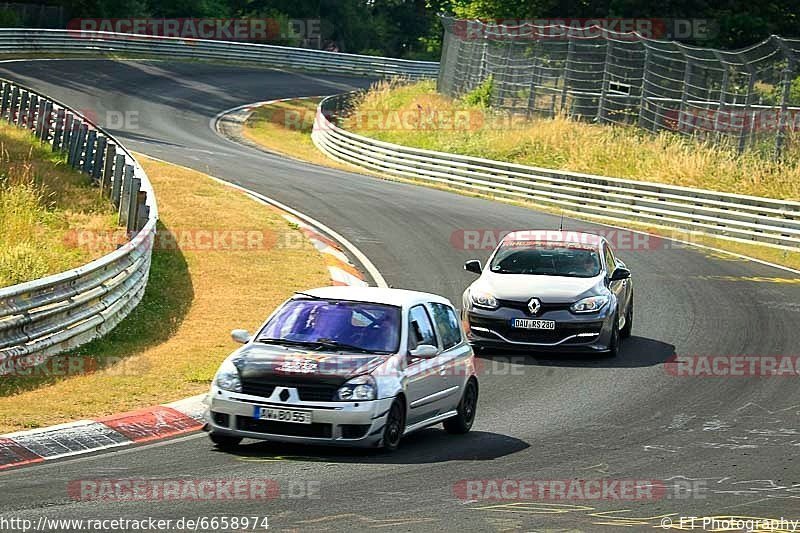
(534, 305)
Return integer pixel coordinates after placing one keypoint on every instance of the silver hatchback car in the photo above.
(550, 291)
(355, 366)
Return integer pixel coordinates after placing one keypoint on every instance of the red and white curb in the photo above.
(85, 436)
(342, 272)
(172, 419)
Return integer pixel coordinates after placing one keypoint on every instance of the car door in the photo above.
(455, 357)
(619, 288)
(424, 379)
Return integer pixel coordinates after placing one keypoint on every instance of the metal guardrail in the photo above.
(724, 215)
(83, 43)
(57, 313)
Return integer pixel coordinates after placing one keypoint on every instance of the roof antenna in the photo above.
(561, 223)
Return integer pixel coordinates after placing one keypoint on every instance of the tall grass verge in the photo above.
(41, 201)
(564, 144)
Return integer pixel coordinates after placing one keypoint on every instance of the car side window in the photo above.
(611, 263)
(420, 328)
(447, 324)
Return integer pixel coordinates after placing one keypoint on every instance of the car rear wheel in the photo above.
(395, 425)
(462, 422)
(224, 442)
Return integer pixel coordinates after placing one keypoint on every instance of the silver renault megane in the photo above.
(550, 291)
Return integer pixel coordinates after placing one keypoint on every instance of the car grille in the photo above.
(523, 306)
(308, 392)
(314, 430)
(562, 331)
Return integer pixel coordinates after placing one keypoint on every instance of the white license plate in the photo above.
(283, 415)
(531, 323)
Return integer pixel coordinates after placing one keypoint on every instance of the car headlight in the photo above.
(592, 304)
(358, 388)
(483, 299)
(227, 377)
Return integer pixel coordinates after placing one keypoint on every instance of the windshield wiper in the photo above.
(336, 345)
(287, 342)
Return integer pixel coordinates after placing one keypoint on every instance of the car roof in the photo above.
(549, 235)
(379, 295)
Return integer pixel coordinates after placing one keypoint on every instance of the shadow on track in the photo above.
(430, 445)
(634, 352)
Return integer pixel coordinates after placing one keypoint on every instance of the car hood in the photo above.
(260, 361)
(550, 289)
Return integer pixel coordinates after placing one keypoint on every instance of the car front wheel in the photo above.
(625, 332)
(467, 407)
(395, 425)
(613, 343)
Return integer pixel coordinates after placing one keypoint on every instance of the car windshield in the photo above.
(546, 259)
(335, 325)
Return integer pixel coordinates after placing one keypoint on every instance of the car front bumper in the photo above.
(585, 333)
(358, 424)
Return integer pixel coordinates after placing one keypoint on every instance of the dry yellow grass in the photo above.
(285, 128)
(171, 344)
(41, 201)
(560, 143)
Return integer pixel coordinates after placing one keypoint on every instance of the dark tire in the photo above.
(395, 425)
(224, 442)
(625, 332)
(613, 345)
(467, 407)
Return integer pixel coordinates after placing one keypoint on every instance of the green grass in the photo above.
(42, 201)
(564, 144)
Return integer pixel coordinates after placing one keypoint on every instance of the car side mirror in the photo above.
(473, 265)
(424, 351)
(241, 336)
(619, 274)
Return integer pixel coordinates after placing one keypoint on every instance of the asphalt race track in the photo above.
(734, 440)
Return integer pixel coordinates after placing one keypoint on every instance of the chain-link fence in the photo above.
(748, 98)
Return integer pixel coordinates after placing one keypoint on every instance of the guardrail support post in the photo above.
(116, 185)
(13, 107)
(133, 205)
(43, 126)
(30, 121)
(99, 157)
(6, 100)
(58, 131)
(73, 140)
(108, 170)
(66, 141)
(80, 141)
(22, 113)
(143, 213)
(88, 160)
(125, 198)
